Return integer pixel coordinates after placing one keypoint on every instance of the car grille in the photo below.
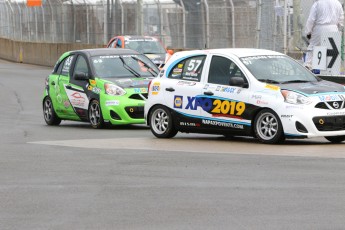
(329, 123)
(138, 96)
(330, 105)
(136, 112)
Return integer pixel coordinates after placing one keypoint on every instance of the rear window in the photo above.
(189, 69)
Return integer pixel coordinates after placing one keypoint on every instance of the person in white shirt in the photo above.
(325, 16)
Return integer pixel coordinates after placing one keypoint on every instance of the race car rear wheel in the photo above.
(95, 115)
(161, 122)
(335, 139)
(268, 128)
(49, 113)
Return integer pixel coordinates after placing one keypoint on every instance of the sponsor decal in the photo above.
(294, 107)
(330, 98)
(335, 113)
(96, 90)
(177, 70)
(155, 88)
(286, 116)
(217, 107)
(178, 102)
(140, 90)
(192, 75)
(222, 124)
(192, 124)
(112, 103)
(256, 96)
(186, 83)
(272, 87)
(78, 99)
(206, 86)
(227, 89)
(260, 102)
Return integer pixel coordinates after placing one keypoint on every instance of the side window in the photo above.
(222, 70)
(66, 66)
(81, 65)
(188, 69)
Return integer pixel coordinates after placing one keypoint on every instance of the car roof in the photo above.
(239, 52)
(105, 51)
(138, 37)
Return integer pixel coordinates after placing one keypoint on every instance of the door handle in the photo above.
(53, 82)
(209, 93)
(170, 89)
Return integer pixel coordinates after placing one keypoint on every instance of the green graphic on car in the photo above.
(100, 86)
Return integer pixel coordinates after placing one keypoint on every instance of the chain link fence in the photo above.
(181, 24)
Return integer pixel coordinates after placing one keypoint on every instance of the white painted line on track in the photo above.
(209, 145)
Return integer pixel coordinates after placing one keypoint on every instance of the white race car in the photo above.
(244, 92)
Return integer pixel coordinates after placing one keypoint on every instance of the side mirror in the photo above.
(237, 81)
(81, 76)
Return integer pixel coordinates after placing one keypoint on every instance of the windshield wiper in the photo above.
(269, 81)
(130, 69)
(149, 68)
(294, 81)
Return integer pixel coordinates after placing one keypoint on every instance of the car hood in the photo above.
(314, 87)
(130, 82)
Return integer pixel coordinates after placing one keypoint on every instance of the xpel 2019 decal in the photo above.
(215, 106)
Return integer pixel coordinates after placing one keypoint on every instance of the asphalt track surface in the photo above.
(75, 177)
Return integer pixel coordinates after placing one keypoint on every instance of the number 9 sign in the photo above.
(319, 57)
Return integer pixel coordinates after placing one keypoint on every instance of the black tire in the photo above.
(161, 122)
(268, 127)
(336, 139)
(49, 113)
(95, 115)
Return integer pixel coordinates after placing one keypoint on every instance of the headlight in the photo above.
(113, 90)
(295, 98)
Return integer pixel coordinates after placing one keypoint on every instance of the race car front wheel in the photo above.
(49, 113)
(161, 122)
(95, 115)
(268, 128)
(336, 139)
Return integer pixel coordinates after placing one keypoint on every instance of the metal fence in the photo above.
(184, 24)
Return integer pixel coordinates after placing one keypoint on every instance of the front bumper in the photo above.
(123, 110)
(308, 121)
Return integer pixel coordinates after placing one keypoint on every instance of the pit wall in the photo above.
(45, 54)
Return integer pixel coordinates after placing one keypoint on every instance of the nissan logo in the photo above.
(336, 105)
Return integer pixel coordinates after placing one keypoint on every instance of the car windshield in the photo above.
(145, 46)
(123, 66)
(277, 69)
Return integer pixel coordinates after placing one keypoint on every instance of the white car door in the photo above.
(225, 104)
(181, 89)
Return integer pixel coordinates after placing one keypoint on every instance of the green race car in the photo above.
(100, 86)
